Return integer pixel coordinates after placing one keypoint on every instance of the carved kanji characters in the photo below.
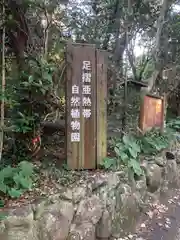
(75, 113)
(86, 89)
(75, 101)
(86, 113)
(75, 89)
(86, 65)
(86, 102)
(75, 137)
(86, 77)
(75, 125)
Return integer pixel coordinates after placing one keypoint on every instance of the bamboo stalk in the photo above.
(3, 85)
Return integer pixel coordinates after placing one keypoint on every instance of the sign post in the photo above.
(85, 106)
(152, 113)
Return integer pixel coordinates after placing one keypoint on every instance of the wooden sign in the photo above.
(152, 113)
(85, 106)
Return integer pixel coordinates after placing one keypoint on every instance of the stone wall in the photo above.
(102, 205)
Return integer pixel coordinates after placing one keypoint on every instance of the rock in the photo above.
(38, 207)
(127, 209)
(160, 161)
(54, 224)
(19, 225)
(20, 233)
(98, 180)
(170, 156)
(178, 156)
(79, 193)
(111, 180)
(153, 177)
(141, 185)
(89, 210)
(172, 172)
(67, 194)
(84, 231)
(104, 226)
(114, 179)
(19, 217)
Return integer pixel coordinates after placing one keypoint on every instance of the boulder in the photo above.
(84, 231)
(89, 210)
(55, 222)
(160, 161)
(178, 156)
(172, 173)
(104, 226)
(19, 224)
(153, 177)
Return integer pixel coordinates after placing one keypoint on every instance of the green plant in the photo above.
(127, 152)
(14, 181)
(108, 163)
(174, 124)
(129, 148)
(154, 141)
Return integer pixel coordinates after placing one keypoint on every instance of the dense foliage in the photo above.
(142, 40)
(129, 149)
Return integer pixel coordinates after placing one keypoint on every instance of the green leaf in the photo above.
(136, 147)
(108, 162)
(7, 172)
(132, 152)
(16, 178)
(135, 165)
(14, 193)
(116, 149)
(26, 168)
(26, 183)
(30, 79)
(3, 216)
(1, 203)
(123, 156)
(3, 187)
(26, 84)
(43, 91)
(47, 76)
(126, 140)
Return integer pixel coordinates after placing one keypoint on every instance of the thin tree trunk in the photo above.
(3, 87)
(126, 74)
(155, 53)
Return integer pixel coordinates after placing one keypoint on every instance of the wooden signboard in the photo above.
(85, 106)
(152, 113)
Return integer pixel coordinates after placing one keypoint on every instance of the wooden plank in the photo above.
(89, 54)
(151, 113)
(101, 106)
(81, 154)
(71, 149)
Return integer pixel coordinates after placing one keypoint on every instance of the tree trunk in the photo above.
(155, 53)
(3, 87)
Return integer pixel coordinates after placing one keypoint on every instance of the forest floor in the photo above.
(161, 221)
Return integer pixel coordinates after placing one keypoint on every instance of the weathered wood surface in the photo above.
(89, 151)
(152, 113)
(101, 106)
(82, 154)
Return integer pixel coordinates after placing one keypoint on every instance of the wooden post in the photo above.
(85, 106)
(101, 106)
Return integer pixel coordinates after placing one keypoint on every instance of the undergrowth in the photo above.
(14, 181)
(129, 149)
